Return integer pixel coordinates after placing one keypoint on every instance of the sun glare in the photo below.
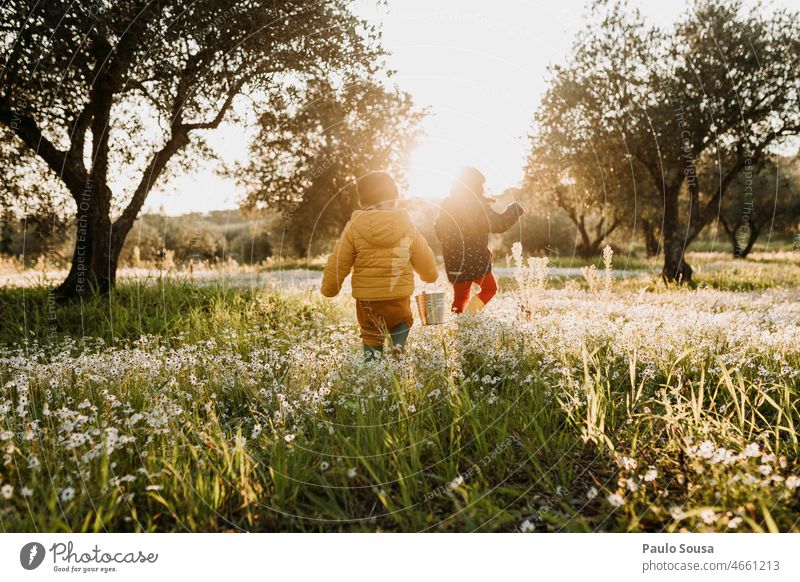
(432, 168)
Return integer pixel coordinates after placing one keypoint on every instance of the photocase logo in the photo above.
(31, 555)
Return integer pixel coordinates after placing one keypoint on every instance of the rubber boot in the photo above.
(372, 352)
(475, 305)
(398, 335)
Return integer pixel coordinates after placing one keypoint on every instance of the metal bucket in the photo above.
(431, 308)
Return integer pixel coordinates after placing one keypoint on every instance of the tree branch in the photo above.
(598, 228)
(214, 123)
(78, 135)
(149, 177)
(727, 227)
(709, 212)
(154, 169)
(26, 128)
(604, 235)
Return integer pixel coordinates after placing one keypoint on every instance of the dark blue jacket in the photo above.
(463, 227)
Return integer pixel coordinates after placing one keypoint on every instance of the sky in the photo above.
(479, 67)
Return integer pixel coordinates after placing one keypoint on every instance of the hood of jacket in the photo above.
(381, 228)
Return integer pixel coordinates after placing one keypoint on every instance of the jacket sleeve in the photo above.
(422, 258)
(502, 222)
(339, 264)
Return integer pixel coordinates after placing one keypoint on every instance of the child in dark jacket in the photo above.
(463, 227)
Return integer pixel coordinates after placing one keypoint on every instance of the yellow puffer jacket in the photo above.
(383, 249)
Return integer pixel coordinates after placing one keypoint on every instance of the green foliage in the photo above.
(312, 148)
(199, 237)
(183, 311)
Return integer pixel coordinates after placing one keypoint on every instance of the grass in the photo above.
(711, 271)
(176, 311)
(284, 264)
(174, 407)
(626, 263)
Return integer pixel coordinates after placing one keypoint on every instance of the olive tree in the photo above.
(308, 153)
(106, 94)
(712, 94)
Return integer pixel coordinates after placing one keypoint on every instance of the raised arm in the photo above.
(502, 222)
(339, 264)
(422, 259)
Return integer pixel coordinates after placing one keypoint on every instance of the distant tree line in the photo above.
(189, 238)
(764, 204)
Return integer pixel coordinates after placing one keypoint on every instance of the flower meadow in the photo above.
(595, 406)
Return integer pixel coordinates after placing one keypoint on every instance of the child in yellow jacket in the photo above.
(383, 249)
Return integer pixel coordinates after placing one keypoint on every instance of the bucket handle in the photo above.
(425, 288)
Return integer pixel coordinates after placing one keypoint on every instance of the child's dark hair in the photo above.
(376, 187)
(468, 183)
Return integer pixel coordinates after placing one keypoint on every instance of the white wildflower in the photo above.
(608, 254)
(706, 449)
(457, 482)
(708, 516)
(616, 500)
(751, 450)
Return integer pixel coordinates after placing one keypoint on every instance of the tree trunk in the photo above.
(731, 232)
(96, 254)
(93, 271)
(652, 246)
(742, 237)
(94, 262)
(752, 232)
(588, 248)
(676, 269)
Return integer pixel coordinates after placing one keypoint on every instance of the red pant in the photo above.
(461, 292)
